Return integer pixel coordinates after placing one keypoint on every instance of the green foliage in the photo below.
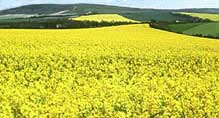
(33, 23)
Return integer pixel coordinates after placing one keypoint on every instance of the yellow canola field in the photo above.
(104, 17)
(128, 71)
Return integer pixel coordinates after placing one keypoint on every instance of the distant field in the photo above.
(104, 17)
(204, 29)
(115, 72)
(212, 17)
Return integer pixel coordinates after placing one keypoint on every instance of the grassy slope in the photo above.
(104, 17)
(204, 29)
(212, 17)
(183, 27)
(125, 71)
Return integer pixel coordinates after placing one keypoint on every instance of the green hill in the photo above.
(74, 10)
(69, 8)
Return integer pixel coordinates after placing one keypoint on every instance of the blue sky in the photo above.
(162, 4)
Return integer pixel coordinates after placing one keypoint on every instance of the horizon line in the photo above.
(125, 6)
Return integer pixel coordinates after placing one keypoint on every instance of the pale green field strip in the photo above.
(212, 17)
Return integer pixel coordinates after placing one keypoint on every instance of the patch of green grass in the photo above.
(202, 29)
(205, 29)
(183, 27)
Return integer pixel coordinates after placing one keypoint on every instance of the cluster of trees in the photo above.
(56, 24)
(160, 25)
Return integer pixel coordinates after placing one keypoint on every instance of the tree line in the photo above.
(56, 24)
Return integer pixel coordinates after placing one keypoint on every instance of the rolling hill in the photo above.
(74, 10)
